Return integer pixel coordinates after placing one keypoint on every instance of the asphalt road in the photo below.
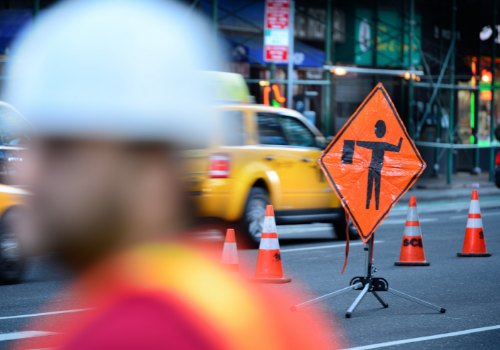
(466, 287)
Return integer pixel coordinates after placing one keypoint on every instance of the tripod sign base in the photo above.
(369, 284)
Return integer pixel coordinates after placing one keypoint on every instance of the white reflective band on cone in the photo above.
(412, 214)
(229, 254)
(474, 207)
(269, 244)
(412, 231)
(474, 223)
(269, 225)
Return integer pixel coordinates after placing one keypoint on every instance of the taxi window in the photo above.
(233, 133)
(270, 130)
(297, 133)
(13, 127)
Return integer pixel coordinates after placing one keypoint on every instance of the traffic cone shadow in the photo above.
(412, 247)
(269, 267)
(474, 242)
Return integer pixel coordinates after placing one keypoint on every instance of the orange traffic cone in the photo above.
(269, 268)
(412, 248)
(230, 253)
(474, 243)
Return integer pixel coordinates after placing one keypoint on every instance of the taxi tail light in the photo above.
(219, 165)
(497, 159)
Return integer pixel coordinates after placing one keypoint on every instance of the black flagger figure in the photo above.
(377, 162)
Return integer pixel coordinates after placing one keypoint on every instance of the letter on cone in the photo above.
(412, 248)
(474, 242)
(230, 253)
(269, 268)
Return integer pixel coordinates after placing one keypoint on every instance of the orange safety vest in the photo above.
(222, 311)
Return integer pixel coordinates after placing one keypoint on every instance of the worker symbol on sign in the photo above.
(377, 162)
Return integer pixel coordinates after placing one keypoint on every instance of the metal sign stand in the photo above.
(368, 284)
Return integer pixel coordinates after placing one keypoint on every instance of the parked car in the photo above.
(12, 256)
(13, 207)
(262, 155)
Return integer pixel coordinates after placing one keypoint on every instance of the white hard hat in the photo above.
(114, 69)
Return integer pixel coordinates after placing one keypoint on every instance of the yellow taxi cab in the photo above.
(13, 201)
(260, 155)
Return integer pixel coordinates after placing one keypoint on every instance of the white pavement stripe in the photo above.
(465, 216)
(43, 314)
(396, 222)
(323, 247)
(22, 335)
(299, 230)
(415, 340)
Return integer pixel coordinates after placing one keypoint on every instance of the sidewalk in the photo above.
(436, 189)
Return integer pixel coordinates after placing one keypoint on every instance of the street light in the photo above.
(395, 72)
(339, 71)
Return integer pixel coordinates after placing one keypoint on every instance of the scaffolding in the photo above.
(411, 79)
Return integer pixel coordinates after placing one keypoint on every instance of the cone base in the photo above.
(270, 280)
(409, 263)
(472, 255)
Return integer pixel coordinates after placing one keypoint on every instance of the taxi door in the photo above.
(313, 190)
(275, 152)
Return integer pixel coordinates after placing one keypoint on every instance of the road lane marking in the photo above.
(323, 247)
(22, 335)
(465, 216)
(43, 314)
(401, 221)
(298, 230)
(414, 340)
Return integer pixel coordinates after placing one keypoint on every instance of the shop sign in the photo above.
(390, 51)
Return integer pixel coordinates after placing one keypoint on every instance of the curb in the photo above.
(436, 195)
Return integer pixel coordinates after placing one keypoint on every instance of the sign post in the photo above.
(291, 55)
(370, 164)
(278, 38)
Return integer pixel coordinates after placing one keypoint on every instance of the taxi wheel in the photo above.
(252, 222)
(12, 261)
(340, 229)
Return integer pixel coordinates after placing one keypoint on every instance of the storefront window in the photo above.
(468, 102)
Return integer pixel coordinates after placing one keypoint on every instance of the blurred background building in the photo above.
(453, 42)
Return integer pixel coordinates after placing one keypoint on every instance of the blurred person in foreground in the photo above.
(112, 88)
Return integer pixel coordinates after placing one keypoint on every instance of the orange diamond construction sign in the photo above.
(372, 162)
